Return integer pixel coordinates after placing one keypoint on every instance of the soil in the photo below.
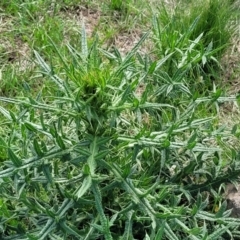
(233, 199)
(12, 48)
(80, 15)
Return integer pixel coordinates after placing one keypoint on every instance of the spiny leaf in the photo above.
(103, 219)
(7, 172)
(128, 235)
(70, 230)
(160, 232)
(221, 210)
(47, 172)
(84, 42)
(5, 113)
(47, 229)
(168, 231)
(87, 183)
(67, 204)
(216, 235)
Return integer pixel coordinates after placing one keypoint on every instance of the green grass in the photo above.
(100, 143)
(197, 33)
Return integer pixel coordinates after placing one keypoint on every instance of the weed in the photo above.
(66, 147)
(114, 146)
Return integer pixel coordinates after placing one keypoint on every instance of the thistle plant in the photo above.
(83, 163)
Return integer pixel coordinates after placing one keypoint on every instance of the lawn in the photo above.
(119, 119)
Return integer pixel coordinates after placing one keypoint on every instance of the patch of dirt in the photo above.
(5, 25)
(12, 49)
(231, 68)
(78, 15)
(233, 200)
(124, 41)
(17, 53)
(230, 111)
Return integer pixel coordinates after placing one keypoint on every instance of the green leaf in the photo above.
(99, 207)
(67, 204)
(160, 231)
(182, 225)
(47, 229)
(155, 105)
(3, 143)
(221, 210)
(147, 237)
(165, 144)
(47, 172)
(162, 61)
(101, 154)
(191, 145)
(7, 172)
(217, 94)
(206, 216)
(91, 159)
(60, 142)
(169, 233)
(70, 230)
(5, 113)
(152, 67)
(234, 129)
(84, 46)
(36, 128)
(128, 227)
(37, 148)
(216, 235)
(48, 71)
(87, 183)
(13, 157)
(192, 138)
